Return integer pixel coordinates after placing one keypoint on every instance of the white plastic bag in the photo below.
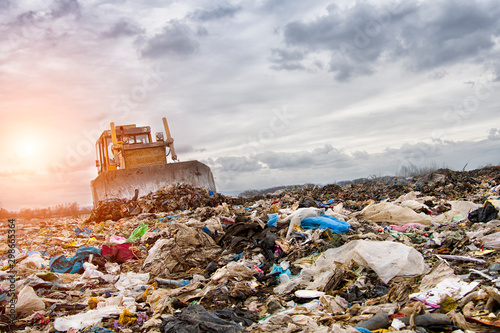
(28, 302)
(85, 319)
(34, 261)
(387, 259)
(301, 214)
(130, 283)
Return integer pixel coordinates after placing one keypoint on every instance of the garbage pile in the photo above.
(409, 255)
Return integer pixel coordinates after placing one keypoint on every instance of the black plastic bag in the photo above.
(484, 214)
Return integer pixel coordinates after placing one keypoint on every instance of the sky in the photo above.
(266, 92)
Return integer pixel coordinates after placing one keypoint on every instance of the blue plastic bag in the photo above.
(273, 220)
(325, 222)
(61, 264)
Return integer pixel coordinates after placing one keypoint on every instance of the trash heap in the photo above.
(409, 255)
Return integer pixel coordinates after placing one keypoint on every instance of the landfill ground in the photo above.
(411, 255)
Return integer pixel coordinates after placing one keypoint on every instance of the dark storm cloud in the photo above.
(425, 36)
(123, 28)
(214, 14)
(176, 38)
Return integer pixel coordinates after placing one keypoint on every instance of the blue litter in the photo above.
(320, 204)
(362, 330)
(84, 231)
(164, 202)
(205, 229)
(211, 193)
(273, 220)
(279, 269)
(325, 222)
(61, 264)
(98, 329)
(238, 256)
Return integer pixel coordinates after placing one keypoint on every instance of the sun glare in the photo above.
(28, 149)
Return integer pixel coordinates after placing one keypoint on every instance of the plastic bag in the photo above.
(301, 214)
(137, 233)
(85, 319)
(484, 214)
(34, 261)
(28, 302)
(112, 268)
(325, 222)
(232, 270)
(492, 241)
(389, 212)
(130, 283)
(117, 239)
(387, 259)
(273, 220)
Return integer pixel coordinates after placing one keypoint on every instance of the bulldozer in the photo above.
(130, 164)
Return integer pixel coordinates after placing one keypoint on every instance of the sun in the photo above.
(28, 149)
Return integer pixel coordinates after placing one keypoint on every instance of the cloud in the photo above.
(4, 4)
(66, 7)
(287, 59)
(494, 134)
(176, 38)
(33, 27)
(184, 149)
(327, 164)
(235, 164)
(424, 36)
(123, 28)
(438, 75)
(319, 157)
(214, 14)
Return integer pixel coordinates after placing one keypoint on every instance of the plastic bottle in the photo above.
(178, 283)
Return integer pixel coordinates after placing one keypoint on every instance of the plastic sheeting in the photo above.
(392, 213)
(387, 259)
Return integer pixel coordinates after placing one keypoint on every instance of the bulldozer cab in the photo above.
(133, 148)
(129, 162)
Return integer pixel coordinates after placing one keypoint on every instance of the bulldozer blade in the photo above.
(120, 184)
